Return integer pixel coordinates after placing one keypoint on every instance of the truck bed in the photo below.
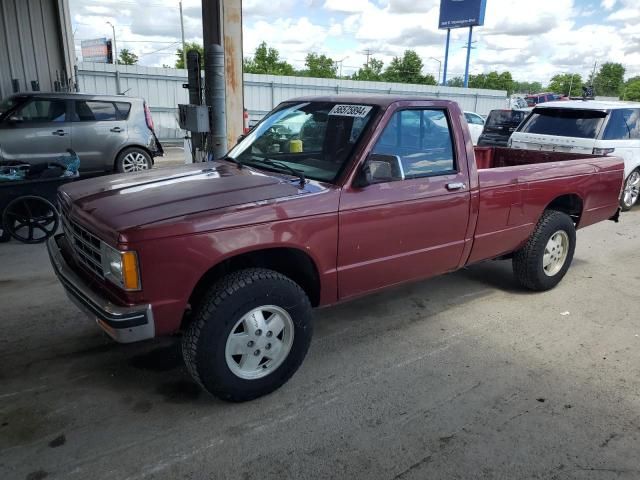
(499, 157)
(516, 186)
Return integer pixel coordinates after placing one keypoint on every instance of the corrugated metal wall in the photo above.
(34, 43)
(162, 87)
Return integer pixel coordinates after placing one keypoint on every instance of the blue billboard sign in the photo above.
(461, 13)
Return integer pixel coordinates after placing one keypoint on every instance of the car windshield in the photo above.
(502, 118)
(565, 122)
(312, 138)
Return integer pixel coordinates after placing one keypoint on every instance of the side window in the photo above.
(91, 111)
(41, 110)
(123, 109)
(422, 141)
(623, 124)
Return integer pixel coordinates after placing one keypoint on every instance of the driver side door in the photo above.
(38, 131)
(413, 225)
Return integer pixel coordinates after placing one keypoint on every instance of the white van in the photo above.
(587, 127)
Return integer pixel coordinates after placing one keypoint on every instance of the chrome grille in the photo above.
(86, 246)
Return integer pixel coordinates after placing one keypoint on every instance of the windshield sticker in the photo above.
(358, 111)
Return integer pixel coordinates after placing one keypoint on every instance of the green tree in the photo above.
(267, 60)
(609, 80)
(492, 81)
(320, 66)
(632, 90)
(566, 84)
(189, 46)
(527, 87)
(127, 57)
(371, 71)
(456, 82)
(407, 69)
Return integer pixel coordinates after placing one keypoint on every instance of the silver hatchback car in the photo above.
(109, 133)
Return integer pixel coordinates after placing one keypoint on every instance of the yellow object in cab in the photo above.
(295, 146)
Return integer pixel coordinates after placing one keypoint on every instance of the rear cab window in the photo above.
(502, 118)
(565, 122)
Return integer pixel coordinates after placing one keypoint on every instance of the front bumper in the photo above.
(123, 324)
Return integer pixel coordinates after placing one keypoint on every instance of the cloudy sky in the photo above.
(534, 40)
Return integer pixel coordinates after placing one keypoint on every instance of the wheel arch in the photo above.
(570, 203)
(289, 261)
(125, 147)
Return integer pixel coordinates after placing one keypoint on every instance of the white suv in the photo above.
(587, 127)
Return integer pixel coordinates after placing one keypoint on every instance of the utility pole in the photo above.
(439, 67)
(466, 68)
(184, 50)
(340, 62)
(446, 58)
(367, 52)
(114, 52)
(593, 78)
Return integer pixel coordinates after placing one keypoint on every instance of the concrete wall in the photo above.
(163, 90)
(35, 44)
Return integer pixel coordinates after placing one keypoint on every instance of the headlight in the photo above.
(121, 268)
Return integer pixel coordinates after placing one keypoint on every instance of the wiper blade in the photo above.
(232, 160)
(293, 171)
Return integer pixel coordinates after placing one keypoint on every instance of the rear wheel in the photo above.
(631, 191)
(133, 159)
(249, 335)
(545, 259)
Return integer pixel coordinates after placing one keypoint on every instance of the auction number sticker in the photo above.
(358, 111)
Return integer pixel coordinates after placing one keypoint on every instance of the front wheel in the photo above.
(249, 334)
(133, 159)
(545, 259)
(631, 191)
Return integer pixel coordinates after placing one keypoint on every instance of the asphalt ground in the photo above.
(464, 376)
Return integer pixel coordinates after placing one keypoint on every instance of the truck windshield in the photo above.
(565, 122)
(314, 138)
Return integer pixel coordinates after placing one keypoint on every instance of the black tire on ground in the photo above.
(133, 159)
(528, 262)
(630, 191)
(217, 314)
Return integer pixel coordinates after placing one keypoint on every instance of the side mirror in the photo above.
(241, 137)
(380, 169)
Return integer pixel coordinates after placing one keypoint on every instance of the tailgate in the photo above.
(551, 143)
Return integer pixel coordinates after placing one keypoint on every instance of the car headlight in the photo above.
(121, 268)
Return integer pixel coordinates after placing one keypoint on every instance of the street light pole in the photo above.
(439, 67)
(115, 58)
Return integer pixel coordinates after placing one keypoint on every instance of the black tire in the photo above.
(229, 300)
(528, 262)
(133, 159)
(630, 191)
(30, 219)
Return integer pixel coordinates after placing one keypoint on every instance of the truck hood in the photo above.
(117, 203)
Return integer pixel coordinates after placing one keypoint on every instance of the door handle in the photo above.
(117, 130)
(455, 186)
(60, 133)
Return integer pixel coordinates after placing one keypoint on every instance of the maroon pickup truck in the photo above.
(326, 199)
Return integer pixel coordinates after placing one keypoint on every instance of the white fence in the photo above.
(163, 90)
